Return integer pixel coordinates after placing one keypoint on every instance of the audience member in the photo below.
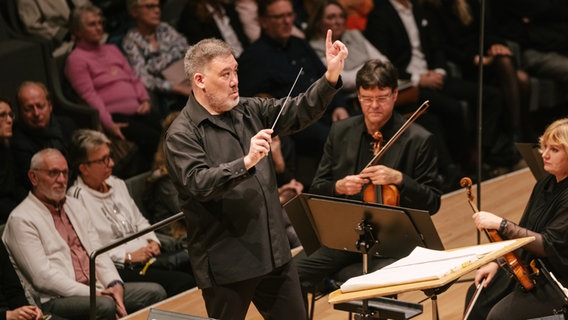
(248, 14)
(213, 19)
(49, 20)
(37, 128)
(115, 216)
(331, 15)
(410, 165)
(155, 50)
(237, 241)
(458, 22)
(540, 28)
(13, 302)
(356, 13)
(11, 193)
(53, 265)
(161, 197)
(270, 66)
(401, 31)
(102, 77)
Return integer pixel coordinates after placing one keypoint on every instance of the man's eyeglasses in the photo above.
(4, 115)
(380, 99)
(150, 6)
(104, 160)
(282, 16)
(54, 173)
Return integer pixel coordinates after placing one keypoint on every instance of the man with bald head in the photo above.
(37, 127)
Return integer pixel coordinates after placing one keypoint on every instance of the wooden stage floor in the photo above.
(506, 196)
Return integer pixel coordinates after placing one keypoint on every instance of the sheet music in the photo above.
(420, 265)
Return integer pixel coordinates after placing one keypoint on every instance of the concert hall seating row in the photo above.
(27, 58)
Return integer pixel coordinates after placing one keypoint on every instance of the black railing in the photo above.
(112, 245)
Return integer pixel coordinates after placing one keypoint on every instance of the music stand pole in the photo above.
(367, 244)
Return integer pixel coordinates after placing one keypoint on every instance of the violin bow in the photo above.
(401, 130)
(287, 97)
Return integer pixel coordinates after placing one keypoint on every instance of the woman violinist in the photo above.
(545, 218)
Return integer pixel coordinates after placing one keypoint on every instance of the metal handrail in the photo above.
(112, 245)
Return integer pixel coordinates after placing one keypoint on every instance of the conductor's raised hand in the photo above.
(335, 54)
(259, 147)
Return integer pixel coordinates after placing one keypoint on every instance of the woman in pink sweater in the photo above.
(101, 75)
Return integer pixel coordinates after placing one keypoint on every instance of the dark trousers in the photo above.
(172, 281)
(276, 295)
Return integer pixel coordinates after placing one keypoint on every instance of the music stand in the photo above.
(531, 154)
(367, 228)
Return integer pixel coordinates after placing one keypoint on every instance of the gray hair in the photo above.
(39, 157)
(83, 142)
(76, 18)
(202, 53)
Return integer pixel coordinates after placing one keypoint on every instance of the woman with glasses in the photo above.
(9, 195)
(155, 51)
(115, 216)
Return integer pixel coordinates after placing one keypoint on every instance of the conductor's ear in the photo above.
(198, 79)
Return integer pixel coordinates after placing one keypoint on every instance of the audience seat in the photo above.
(137, 188)
(26, 58)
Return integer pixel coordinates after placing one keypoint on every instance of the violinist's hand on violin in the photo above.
(487, 271)
(259, 147)
(380, 175)
(350, 185)
(486, 220)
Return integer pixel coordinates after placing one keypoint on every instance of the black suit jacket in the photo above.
(414, 154)
(196, 28)
(386, 32)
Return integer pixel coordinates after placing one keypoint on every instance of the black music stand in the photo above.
(367, 228)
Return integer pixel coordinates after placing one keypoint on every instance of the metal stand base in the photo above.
(381, 308)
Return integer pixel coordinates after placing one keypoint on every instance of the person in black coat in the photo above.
(546, 219)
(37, 128)
(419, 56)
(202, 19)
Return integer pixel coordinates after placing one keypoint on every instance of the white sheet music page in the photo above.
(420, 265)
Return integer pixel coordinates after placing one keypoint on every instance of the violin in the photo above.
(513, 262)
(383, 194)
(388, 194)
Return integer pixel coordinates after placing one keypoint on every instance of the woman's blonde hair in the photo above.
(556, 133)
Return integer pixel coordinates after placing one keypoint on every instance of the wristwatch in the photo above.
(114, 283)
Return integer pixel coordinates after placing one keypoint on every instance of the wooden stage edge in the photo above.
(505, 196)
